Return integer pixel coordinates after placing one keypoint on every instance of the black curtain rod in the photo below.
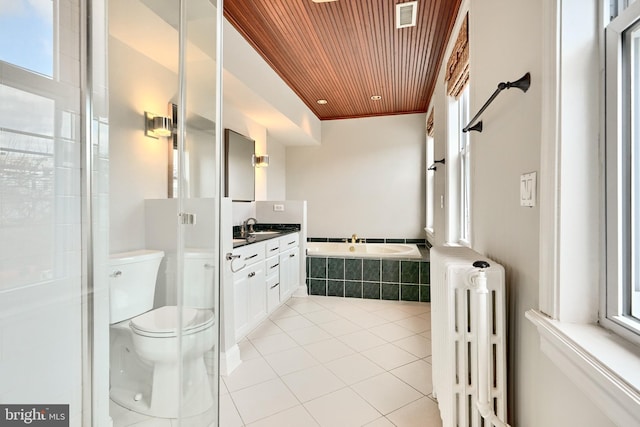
(522, 83)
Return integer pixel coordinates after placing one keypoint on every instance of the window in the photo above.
(430, 187)
(465, 167)
(27, 35)
(458, 156)
(622, 145)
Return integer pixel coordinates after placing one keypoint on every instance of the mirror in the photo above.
(239, 171)
(199, 157)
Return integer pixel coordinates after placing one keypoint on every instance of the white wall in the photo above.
(367, 178)
(138, 163)
(505, 42)
(277, 172)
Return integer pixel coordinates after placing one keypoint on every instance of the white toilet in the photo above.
(144, 346)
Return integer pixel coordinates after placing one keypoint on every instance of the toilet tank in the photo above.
(199, 279)
(132, 283)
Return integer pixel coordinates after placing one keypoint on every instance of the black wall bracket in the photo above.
(522, 83)
(433, 166)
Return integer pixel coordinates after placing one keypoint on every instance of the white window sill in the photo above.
(431, 234)
(600, 363)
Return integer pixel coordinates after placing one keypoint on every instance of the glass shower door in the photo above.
(198, 193)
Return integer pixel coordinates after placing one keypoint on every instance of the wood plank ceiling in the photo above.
(346, 51)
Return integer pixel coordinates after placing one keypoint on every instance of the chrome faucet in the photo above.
(244, 231)
(354, 238)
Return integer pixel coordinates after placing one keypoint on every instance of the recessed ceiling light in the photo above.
(321, 101)
(376, 97)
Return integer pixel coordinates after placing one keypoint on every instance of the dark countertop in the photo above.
(278, 229)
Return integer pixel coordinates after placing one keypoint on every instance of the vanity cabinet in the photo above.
(266, 274)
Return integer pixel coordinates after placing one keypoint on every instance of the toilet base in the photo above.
(161, 399)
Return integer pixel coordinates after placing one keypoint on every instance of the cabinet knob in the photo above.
(253, 273)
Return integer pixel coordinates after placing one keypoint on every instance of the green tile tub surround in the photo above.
(335, 288)
(353, 269)
(335, 268)
(410, 272)
(425, 293)
(391, 291)
(371, 290)
(395, 240)
(318, 287)
(318, 267)
(409, 292)
(390, 271)
(371, 270)
(353, 289)
(425, 273)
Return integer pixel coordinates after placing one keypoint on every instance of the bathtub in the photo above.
(363, 250)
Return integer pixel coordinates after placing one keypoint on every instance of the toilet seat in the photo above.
(162, 322)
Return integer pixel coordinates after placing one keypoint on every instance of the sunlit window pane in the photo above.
(26, 34)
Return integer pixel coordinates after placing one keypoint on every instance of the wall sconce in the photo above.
(260, 161)
(156, 126)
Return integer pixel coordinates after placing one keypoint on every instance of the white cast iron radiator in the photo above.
(468, 335)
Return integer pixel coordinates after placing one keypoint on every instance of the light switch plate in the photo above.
(528, 189)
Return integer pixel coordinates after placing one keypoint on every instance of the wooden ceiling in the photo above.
(346, 51)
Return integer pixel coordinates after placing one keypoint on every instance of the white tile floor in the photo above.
(329, 361)
(326, 361)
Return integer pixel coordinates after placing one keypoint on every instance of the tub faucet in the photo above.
(354, 238)
(244, 231)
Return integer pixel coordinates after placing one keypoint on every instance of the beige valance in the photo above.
(457, 73)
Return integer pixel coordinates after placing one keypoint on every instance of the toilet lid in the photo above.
(164, 320)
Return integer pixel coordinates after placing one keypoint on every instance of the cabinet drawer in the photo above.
(273, 247)
(250, 254)
(289, 241)
(272, 266)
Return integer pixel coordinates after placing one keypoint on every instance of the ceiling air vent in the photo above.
(406, 14)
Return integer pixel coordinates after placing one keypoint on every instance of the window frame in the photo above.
(430, 182)
(615, 312)
(459, 171)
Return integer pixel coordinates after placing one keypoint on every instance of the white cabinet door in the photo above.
(257, 293)
(289, 272)
(241, 306)
(273, 293)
